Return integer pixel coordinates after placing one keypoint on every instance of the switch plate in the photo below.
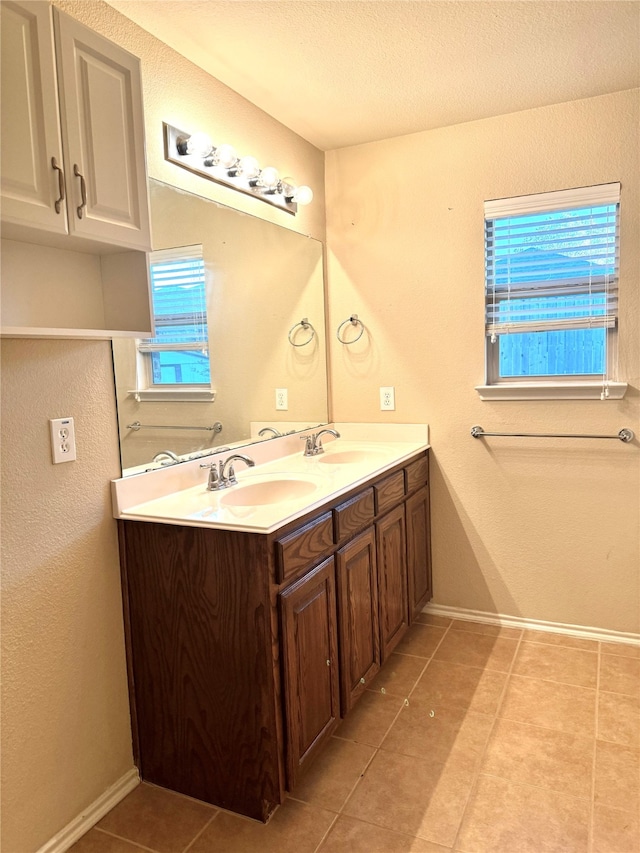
(387, 398)
(63, 440)
(282, 399)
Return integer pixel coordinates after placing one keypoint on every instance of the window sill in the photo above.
(551, 391)
(189, 395)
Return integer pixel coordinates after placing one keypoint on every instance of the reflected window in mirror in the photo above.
(177, 358)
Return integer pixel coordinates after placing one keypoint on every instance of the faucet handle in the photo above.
(310, 444)
(214, 477)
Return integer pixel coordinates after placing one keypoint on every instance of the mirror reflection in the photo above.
(239, 352)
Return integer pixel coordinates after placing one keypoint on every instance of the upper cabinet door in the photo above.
(103, 136)
(32, 183)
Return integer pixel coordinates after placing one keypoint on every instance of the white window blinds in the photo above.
(179, 299)
(551, 261)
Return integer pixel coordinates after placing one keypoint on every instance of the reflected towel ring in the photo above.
(353, 319)
(304, 324)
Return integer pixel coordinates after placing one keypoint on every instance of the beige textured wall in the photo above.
(65, 713)
(548, 529)
(65, 720)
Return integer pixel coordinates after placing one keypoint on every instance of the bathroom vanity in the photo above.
(247, 646)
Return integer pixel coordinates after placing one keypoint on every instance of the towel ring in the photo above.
(304, 324)
(353, 319)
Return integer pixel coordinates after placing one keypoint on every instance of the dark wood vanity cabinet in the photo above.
(309, 643)
(356, 567)
(246, 649)
(392, 579)
(418, 551)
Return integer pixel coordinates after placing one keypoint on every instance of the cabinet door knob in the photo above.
(83, 190)
(60, 171)
(328, 662)
(362, 681)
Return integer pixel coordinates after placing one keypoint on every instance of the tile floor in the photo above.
(474, 738)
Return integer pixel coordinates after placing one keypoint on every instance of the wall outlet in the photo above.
(387, 398)
(63, 440)
(282, 399)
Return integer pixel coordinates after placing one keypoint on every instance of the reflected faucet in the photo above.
(265, 430)
(169, 454)
(222, 474)
(313, 443)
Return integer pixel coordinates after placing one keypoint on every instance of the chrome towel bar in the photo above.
(136, 425)
(625, 434)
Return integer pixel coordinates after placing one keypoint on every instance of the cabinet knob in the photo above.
(328, 662)
(58, 202)
(83, 190)
(362, 681)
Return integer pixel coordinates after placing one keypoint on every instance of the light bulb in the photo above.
(199, 144)
(269, 177)
(248, 167)
(303, 195)
(289, 188)
(226, 156)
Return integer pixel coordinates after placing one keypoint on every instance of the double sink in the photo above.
(268, 495)
(263, 489)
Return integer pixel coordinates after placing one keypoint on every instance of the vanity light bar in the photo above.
(197, 153)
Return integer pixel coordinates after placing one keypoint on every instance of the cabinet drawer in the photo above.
(417, 474)
(389, 491)
(353, 515)
(302, 548)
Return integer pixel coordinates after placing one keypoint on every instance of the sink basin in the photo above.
(268, 492)
(349, 457)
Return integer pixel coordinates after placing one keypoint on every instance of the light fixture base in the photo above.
(175, 143)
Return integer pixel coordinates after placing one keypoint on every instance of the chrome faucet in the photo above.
(265, 430)
(222, 474)
(169, 455)
(313, 441)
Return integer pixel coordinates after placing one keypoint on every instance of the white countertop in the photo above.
(182, 498)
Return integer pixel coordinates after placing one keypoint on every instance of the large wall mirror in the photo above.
(261, 281)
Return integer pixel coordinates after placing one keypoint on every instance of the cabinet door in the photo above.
(392, 579)
(309, 639)
(103, 135)
(30, 119)
(418, 552)
(357, 616)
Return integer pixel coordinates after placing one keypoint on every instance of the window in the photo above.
(175, 363)
(551, 294)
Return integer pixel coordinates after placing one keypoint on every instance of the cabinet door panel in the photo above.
(358, 617)
(418, 552)
(30, 119)
(103, 134)
(309, 638)
(392, 579)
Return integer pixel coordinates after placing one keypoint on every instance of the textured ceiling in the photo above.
(341, 73)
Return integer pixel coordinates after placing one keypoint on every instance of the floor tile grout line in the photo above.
(533, 787)
(617, 693)
(478, 771)
(552, 681)
(316, 849)
(198, 835)
(122, 838)
(592, 803)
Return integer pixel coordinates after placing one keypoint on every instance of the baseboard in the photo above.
(601, 634)
(92, 814)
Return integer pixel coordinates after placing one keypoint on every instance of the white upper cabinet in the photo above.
(75, 208)
(103, 136)
(32, 179)
(85, 90)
